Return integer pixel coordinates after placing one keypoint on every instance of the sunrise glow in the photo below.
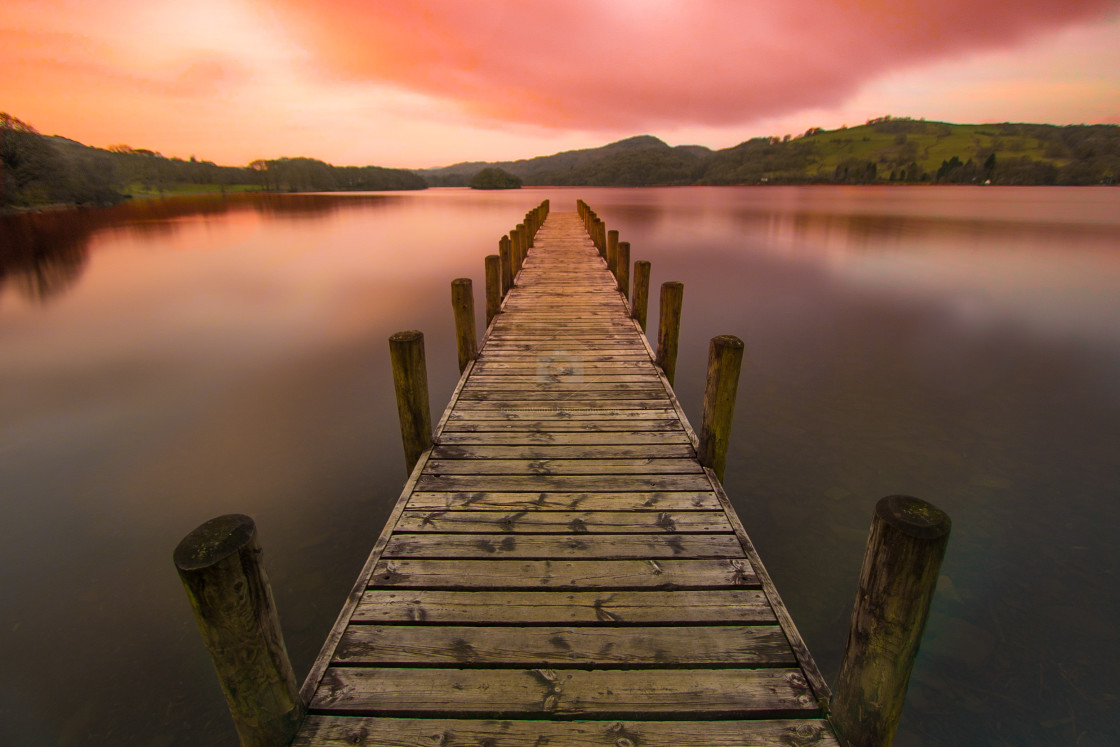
(416, 84)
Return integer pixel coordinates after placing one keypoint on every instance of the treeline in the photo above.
(39, 170)
(882, 151)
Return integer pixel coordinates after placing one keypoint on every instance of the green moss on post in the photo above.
(462, 303)
(640, 308)
(410, 380)
(669, 328)
(725, 359)
(222, 571)
(900, 568)
(493, 264)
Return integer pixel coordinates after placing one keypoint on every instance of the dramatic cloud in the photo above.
(640, 64)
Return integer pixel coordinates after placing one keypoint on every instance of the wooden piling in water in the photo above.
(410, 380)
(669, 327)
(462, 304)
(622, 268)
(515, 252)
(523, 235)
(612, 252)
(506, 257)
(725, 359)
(896, 585)
(221, 569)
(493, 264)
(640, 308)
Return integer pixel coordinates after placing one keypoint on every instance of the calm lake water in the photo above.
(163, 362)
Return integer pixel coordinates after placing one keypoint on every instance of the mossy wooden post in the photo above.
(622, 268)
(515, 253)
(900, 568)
(640, 308)
(506, 256)
(725, 359)
(410, 380)
(221, 569)
(669, 327)
(493, 265)
(612, 252)
(462, 303)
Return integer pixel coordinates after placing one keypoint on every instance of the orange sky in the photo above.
(413, 84)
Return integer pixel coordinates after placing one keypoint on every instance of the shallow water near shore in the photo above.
(166, 361)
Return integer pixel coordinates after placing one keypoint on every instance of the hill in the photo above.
(882, 151)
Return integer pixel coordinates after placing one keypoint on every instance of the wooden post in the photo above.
(523, 234)
(669, 327)
(640, 309)
(221, 569)
(530, 229)
(725, 359)
(493, 264)
(900, 568)
(612, 252)
(622, 268)
(515, 252)
(462, 303)
(506, 257)
(410, 380)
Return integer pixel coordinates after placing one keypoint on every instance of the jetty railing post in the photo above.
(515, 252)
(506, 255)
(669, 327)
(612, 252)
(622, 268)
(725, 359)
(410, 380)
(523, 232)
(896, 584)
(220, 566)
(493, 264)
(640, 308)
(462, 303)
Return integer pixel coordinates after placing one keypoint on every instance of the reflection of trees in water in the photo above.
(43, 254)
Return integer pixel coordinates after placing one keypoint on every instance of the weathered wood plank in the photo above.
(575, 546)
(324, 731)
(557, 522)
(650, 466)
(451, 645)
(563, 483)
(446, 450)
(571, 438)
(682, 500)
(497, 693)
(563, 574)
(600, 425)
(654, 607)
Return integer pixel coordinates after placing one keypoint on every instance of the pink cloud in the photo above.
(647, 63)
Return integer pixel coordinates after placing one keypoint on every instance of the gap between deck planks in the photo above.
(559, 569)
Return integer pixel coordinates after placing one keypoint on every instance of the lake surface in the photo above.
(167, 361)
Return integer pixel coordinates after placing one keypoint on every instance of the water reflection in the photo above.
(213, 355)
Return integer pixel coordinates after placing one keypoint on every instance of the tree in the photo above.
(494, 178)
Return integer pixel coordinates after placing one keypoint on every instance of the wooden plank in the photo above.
(650, 466)
(497, 693)
(561, 483)
(600, 647)
(577, 575)
(561, 403)
(550, 546)
(564, 522)
(326, 731)
(445, 450)
(600, 425)
(710, 607)
(682, 500)
(545, 413)
(529, 438)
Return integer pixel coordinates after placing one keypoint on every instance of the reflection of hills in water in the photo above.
(43, 254)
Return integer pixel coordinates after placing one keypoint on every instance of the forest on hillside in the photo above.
(36, 169)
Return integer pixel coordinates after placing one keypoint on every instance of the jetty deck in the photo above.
(560, 569)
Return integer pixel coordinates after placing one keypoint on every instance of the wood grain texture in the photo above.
(564, 522)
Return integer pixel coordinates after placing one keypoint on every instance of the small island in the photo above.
(494, 178)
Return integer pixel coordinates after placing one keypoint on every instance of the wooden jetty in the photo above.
(560, 569)
(563, 566)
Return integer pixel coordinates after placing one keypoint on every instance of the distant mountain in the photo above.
(884, 150)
